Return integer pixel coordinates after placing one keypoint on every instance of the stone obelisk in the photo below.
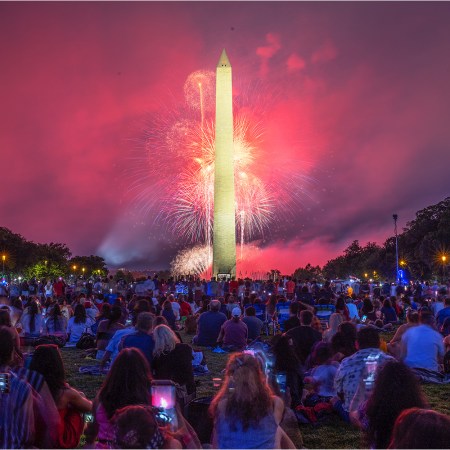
(224, 232)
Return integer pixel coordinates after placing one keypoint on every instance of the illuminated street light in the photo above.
(3, 263)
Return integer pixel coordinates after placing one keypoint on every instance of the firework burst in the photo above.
(174, 169)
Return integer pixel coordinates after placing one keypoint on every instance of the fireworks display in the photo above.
(174, 172)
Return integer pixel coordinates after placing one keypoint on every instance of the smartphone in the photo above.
(88, 417)
(281, 381)
(5, 383)
(163, 394)
(363, 318)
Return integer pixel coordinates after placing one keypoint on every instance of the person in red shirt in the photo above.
(290, 288)
(233, 286)
(185, 307)
(59, 287)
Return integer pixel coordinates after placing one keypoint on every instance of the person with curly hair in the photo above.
(246, 414)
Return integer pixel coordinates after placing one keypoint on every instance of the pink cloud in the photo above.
(326, 52)
(268, 51)
(295, 63)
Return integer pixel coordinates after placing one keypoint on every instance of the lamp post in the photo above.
(395, 217)
(3, 264)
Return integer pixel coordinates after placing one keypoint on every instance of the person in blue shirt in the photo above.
(142, 338)
(443, 313)
(209, 324)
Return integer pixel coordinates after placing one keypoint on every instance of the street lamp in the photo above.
(3, 263)
(395, 217)
(83, 270)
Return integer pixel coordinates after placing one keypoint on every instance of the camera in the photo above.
(5, 383)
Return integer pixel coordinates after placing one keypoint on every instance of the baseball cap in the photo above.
(236, 312)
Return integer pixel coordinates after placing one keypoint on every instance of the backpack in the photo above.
(86, 341)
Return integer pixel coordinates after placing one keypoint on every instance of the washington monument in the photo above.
(224, 234)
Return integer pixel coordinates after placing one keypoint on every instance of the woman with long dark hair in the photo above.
(32, 320)
(69, 402)
(246, 414)
(56, 323)
(78, 324)
(396, 389)
(287, 362)
(127, 383)
(107, 328)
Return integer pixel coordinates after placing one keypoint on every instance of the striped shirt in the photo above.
(16, 414)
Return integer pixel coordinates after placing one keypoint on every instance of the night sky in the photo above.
(354, 97)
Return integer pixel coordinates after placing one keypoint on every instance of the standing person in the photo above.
(248, 415)
(70, 403)
(443, 313)
(234, 333)
(336, 319)
(422, 346)
(304, 336)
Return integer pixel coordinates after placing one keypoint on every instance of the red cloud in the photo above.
(326, 52)
(295, 63)
(268, 51)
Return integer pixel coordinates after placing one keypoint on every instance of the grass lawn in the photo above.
(333, 434)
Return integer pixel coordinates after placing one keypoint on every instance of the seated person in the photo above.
(322, 375)
(106, 329)
(254, 324)
(209, 324)
(136, 427)
(293, 320)
(234, 333)
(422, 346)
(421, 428)
(172, 360)
(17, 421)
(412, 320)
(304, 336)
(355, 376)
(248, 415)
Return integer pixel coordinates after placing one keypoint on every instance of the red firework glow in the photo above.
(184, 193)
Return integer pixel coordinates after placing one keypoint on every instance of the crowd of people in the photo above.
(296, 348)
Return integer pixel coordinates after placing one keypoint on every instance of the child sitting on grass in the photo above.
(322, 375)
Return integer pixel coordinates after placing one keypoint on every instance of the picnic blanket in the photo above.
(430, 376)
(93, 370)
